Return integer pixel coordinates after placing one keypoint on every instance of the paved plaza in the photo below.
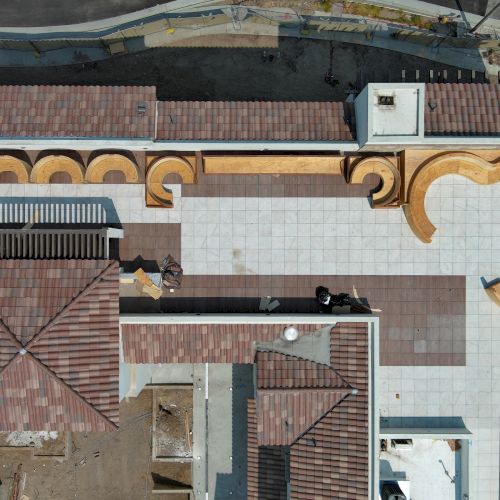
(289, 236)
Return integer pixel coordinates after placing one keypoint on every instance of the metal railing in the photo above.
(54, 243)
(41, 212)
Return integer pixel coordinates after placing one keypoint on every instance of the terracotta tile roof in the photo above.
(331, 459)
(266, 465)
(66, 366)
(462, 109)
(150, 343)
(325, 454)
(284, 415)
(254, 121)
(329, 456)
(282, 371)
(76, 111)
(292, 394)
(34, 291)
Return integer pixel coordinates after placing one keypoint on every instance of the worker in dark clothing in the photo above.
(328, 300)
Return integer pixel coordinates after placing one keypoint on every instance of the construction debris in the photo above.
(144, 284)
(171, 273)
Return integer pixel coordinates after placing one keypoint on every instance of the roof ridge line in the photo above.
(83, 293)
(333, 369)
(13, 339)
(338, 403)
(293, 390)
(269, 349)
(10, 334)
(67, 387)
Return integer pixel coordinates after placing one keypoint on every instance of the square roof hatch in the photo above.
(390, 115)
(395, 112)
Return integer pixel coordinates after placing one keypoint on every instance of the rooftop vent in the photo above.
(141, 108)
(290, 334)
(386, 100)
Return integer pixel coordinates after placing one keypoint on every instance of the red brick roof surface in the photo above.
(225, 343)
(266, 465)
(328, 441)
(254, 121)
(76, 111)
(281, 371)
(463, 109)
(284, 415)
(466, 109)
(336, 465)
(74, 346)
(330, 457)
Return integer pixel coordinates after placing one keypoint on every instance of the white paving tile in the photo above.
(345, 236)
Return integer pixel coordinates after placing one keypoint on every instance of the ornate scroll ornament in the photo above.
(388, 190)
(159, 169)
(465, 164)
(49, 165)
(19, 167)
(104, 163)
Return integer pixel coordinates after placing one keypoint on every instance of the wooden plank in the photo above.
(271, 165)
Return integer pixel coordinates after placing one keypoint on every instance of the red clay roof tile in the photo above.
(329, 446)
(255, 121)
(462, 109)
(77, 111)
(75, 344)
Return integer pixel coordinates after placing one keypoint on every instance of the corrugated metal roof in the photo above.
(75, 345)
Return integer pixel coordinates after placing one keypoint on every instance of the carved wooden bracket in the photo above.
(388, 190)
(102, 164)
(467, 165)
(49, 165)
(156, 194)
(19, 167)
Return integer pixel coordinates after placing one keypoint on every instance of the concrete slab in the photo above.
(429, 465)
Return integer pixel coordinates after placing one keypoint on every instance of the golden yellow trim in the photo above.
(273, 165)
(19, 167)
(48, 166)
(493, 292)
(467, 165)
(388, 191)
(159, 169)
(104, 163)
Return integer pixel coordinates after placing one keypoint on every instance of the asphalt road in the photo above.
(21, 13)
(296, 72)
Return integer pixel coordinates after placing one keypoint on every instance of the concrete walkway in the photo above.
(223, 21)
(431, 9)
